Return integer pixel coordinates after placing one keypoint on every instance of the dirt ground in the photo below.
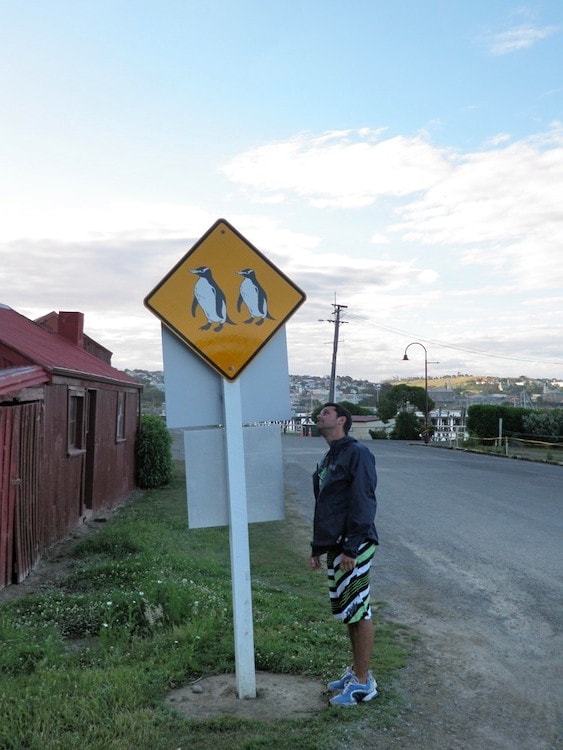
(434, 715)
(278, 696)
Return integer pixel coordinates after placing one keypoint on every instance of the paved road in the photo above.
(471, 558)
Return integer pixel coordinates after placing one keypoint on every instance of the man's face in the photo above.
(329, 423)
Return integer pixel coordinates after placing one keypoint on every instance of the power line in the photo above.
(455, 346)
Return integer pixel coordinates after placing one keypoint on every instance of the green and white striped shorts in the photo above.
(349, 589)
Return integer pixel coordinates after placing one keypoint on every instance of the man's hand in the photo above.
(347, 563)
(314, 562)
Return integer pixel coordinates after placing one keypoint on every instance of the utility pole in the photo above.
(337, 323)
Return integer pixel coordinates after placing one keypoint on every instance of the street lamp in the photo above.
(405, 358)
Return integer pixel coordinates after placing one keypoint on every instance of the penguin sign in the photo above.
(224, 299)
(254, 297)
(210, 298)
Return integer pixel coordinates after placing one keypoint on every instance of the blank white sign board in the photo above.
(193, 390)
(206, 476)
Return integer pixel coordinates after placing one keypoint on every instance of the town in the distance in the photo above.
(450, 396)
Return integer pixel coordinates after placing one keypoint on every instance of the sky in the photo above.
(402, 159)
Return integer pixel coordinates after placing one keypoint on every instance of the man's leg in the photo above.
(350, 597)
(361, 637)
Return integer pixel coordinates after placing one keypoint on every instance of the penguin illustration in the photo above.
(210, 298)
(253, 296)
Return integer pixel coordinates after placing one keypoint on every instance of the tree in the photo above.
(386, 408)
(407, 427)
(356, 409)
(397, 398)
(352, 408)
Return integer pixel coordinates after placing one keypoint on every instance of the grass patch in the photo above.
(147, 607)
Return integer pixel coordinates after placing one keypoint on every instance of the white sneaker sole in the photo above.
(364, 699)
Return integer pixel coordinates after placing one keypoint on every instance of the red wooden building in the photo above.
(68, 426)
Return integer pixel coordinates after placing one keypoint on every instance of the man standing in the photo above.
(343, 528)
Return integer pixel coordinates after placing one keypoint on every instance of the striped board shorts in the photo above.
(349, 590)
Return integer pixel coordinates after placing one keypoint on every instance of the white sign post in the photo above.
(239, 544)
(239, 301)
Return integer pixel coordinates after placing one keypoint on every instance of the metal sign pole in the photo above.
(239, 544)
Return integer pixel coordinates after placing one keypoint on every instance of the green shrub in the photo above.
(547, 425)
(379, 434)
(154, 453)
(407, 427)
(483, 420)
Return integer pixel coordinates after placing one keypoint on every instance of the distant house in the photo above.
(68, 426)
(446, 397)
(361, 425)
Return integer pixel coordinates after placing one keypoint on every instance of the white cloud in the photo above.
(519, 38)
(428, 276)
(458, 243)
(378, 238)
(500, 206)
(340, 168)
(503, 204)
(127, 219)
(498, 139)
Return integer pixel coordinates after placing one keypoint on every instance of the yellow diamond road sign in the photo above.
(225, 299)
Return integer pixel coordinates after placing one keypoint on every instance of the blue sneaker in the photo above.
(337, 685)
(355, 692)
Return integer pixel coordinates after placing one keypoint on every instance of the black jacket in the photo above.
(345, 504)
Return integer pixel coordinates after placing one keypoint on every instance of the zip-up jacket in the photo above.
(345, 503)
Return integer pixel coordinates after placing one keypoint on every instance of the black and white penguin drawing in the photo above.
(254, 297)
(210, 298)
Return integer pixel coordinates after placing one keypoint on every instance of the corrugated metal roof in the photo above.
(51, 351)
(14, 379)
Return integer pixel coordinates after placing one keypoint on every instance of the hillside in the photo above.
(309, 390)
(472, 383)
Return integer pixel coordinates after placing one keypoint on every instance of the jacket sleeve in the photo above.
(362, 502)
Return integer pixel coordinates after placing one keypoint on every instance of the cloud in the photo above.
(498, 139)
(461, 247)
(378, 238)
(109, 277)
(340, 168)
(503, 205)
(103, 222)
(497, 205)
(427, 277)
(519, 38)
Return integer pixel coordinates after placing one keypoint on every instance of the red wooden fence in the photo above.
(20, 527)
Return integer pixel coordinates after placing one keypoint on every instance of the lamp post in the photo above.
(405, 358)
